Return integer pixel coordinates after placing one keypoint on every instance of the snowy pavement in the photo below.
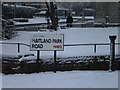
(68, 79)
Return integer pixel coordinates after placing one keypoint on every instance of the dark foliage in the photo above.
(12, 66)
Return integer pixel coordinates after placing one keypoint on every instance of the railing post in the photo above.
(112, 53)
(95, 48)
(18, 47)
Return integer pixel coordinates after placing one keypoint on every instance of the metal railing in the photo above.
(18, 45)
(66, 45)
(40, 26)
(93, 44)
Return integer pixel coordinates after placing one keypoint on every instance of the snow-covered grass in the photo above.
(69, 79)
(0, 80)
(33, 21)
(38, 19)
(86, 17)
(71, 36)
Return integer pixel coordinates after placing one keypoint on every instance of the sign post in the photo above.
(47, 42)
(55, 63)
(38, 56)
(112, 53)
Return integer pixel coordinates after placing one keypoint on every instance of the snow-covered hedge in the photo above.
(29, 64)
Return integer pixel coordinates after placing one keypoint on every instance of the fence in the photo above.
(91, 64)
(18, 45)
(40, 26)
(67, 45)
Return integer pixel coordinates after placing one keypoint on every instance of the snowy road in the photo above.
(70, 79)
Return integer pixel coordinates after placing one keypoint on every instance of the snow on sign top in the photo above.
(47, 42)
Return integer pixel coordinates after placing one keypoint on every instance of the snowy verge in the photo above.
(70, 79)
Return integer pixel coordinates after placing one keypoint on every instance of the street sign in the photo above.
(47, 42)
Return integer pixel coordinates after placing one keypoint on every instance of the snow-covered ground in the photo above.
(71, 36)
(33, 21)
(71, 79)
(68, 79)
(37, 20)
(0, 80)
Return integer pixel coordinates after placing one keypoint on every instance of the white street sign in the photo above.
(47, 42)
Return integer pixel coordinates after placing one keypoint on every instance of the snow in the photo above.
(1, 81)
(86, 17)
(37, 20)
(19, 6)
(42, 12)
(33, 21)
(64, 20)
(71, 36)
(68, 79)
(28, 58)
(15, 54)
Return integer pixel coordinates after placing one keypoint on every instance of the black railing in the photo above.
(18, 45)
(39, 26)
(66, 45)
(93, 44)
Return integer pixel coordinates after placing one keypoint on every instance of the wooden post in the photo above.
(112, 53)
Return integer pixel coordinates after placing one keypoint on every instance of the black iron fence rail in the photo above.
(39, 26)
(90, 44)
(66, 45)
(94, 44)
